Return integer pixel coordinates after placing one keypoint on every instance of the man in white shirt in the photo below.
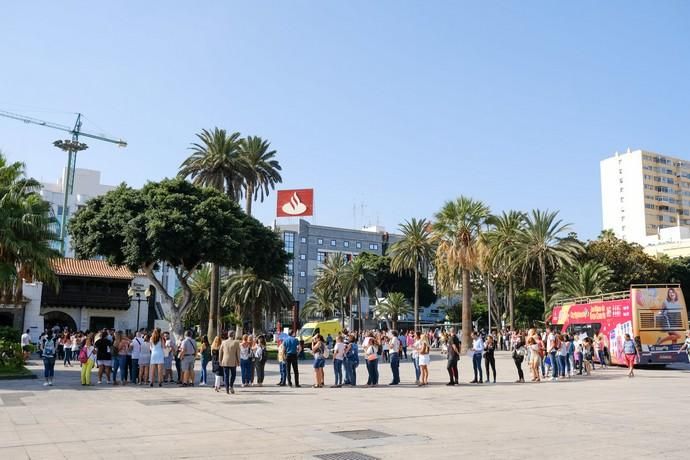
(477, 350)
(395, 357)
(136, 351)
(551, 349)
(26, 344)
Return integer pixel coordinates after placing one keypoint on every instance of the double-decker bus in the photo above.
(654, 315)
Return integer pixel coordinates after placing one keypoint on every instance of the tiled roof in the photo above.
(90, 269)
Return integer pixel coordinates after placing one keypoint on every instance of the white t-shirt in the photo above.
(550, 342)
(339, 350)
(365, 342)
(478, 345)
(136, 347)
(395, 345)
(26, 339)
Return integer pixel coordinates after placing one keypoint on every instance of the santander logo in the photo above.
(293, 203)
(294, 207)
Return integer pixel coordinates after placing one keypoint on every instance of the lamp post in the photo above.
(132, 294)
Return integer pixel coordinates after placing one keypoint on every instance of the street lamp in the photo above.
(132, 294)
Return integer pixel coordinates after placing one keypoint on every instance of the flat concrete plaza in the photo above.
(605, 415)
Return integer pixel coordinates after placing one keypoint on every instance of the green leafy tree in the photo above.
(261, 171)
(542, 247)
(529, 309)
(175, 222)
(329, 282)
(358, 280)
(678, 272)
(581, 279)
(457, 232)
(215, 162)
(200, 284)
(26, 232)
(414, 252)
(321, 304)
(394, 306)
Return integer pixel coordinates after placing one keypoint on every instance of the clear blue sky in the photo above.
(399, 105)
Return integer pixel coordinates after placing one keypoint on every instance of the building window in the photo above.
(290, 268)
(346, 244)
(302, 274)
(302, 257)
(358, 245)
(320, 241)
(321, 257)
(289, 242)
(303, 240)
(302, 290)
(332, 242)
(374, 246)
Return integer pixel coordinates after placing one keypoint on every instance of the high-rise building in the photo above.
(643, 192)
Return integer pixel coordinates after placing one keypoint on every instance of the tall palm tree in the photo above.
(542, 247)
(414, 252)
(320, 304)
(329, 281)
(393, 307)
(27, 232)
(502, 240)
(457, 231)
(261, 169)
(215, 162)
(200, 284)
(581, 279)
(249, 292)
(357, 280)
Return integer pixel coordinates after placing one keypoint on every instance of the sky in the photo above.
(387, 109)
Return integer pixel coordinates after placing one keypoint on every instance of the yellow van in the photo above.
(309, 330)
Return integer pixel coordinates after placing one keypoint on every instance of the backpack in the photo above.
(49, 348)
(83, 355)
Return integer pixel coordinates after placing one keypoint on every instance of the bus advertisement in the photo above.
(654, 315)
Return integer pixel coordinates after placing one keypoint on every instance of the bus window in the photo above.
(590, 329)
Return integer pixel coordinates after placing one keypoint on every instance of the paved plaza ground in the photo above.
(605, 415)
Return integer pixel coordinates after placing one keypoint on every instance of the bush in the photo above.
(10, 334)
(11, 356)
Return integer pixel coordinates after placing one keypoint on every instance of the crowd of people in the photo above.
(147, 358)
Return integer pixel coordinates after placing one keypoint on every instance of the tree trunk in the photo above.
(416, 298)
(250, 196)
(213, 318)
(239, 317)
(394, 320)
(466, 310)
(542, 270)
(257, 327)
(511, 306)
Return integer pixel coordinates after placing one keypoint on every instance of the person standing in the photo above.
(453, 356)
(518, 357)
(229, 357)
(49, 347)
(67, 349)
(122, 344)
(371, 354)
(395, 349)
(187, 356)
(552, 349)
(631, 354)
(424, 361)
(90, 362)
(477, 351)
(338, 358)
(168, 357)
(104, 357)
(317, 348)
(282, 365)
(489, 359)
(157, 359)
(416, 343)
(205, 352)
(135, 347)
(26, 344)
(144, 360)
(292, 349)
(245, 360)
(260, 358)
(216, 368)
(351, 360)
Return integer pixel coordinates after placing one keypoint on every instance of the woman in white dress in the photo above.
(157, 356)
(424, 360)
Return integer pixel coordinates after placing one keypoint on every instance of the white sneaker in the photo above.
(45, 384)
(50, 384)
(202, 384)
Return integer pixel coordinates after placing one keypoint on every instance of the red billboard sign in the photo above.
(295, 203)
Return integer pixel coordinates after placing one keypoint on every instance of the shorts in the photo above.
(319, 363)
(187, 364)
(630, 359)
(26, 348)
(424, 360)
(167, 362)
(104, 362)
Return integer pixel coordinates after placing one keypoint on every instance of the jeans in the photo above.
(204, 372)
(260, 366)
(490, 362)
(338, 371)
(404, 352)
(115, 366)
(229, 374)
(350, 373)
(122, 362)
(554, 364)
(49, 367)
(395, 367)
(543, 366)
(292, 362)
(282, 367)
(417, 370)
(246, 369)
(373, 370)
(452, 368)
(68, 356)
(562, 365)
(602, 358)
(134, 370)
(518, 364)
(477, 367)
(178, 368)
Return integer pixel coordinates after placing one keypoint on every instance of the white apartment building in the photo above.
(643, 192)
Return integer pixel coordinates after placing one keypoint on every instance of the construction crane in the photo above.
(71, 146)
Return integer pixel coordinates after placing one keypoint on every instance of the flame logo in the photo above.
(294, 207)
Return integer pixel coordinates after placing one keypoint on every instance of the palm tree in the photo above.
(542, 247)
(582, 279)
(248, 292)
(27, 232)
(320, 304)
(215, 162)
(502, 240)
(200, 284)
(261, 172)
(357, 280)
(457, 231)
(393, 306)
(329, 281)
(414, 252)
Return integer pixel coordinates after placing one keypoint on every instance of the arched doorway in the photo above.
(59, 318)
